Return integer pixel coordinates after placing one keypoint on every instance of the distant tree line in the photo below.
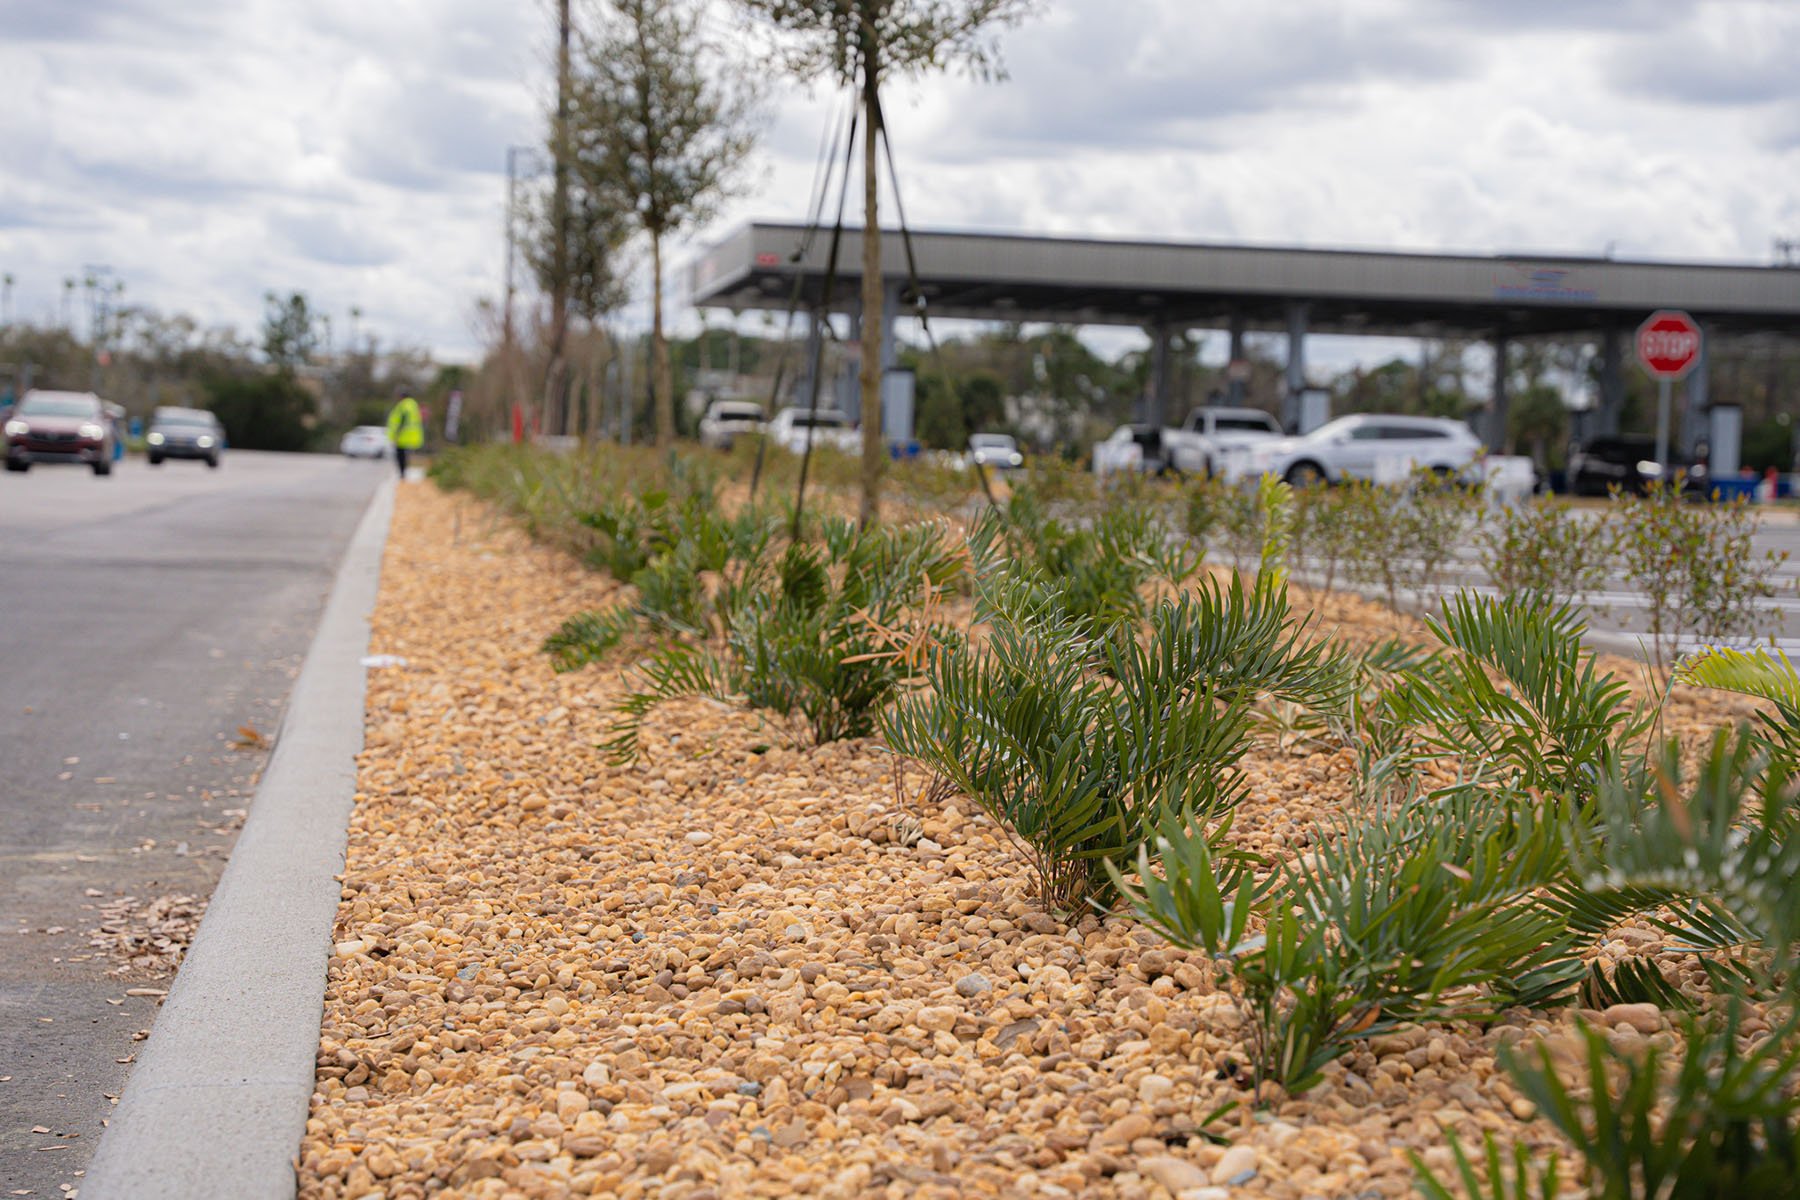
(288, 390)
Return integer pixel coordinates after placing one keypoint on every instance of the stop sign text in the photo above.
(1668, 343)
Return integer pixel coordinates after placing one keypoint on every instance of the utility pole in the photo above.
(556, 385)
(98, 290)
(1787, 252)
(6, 287)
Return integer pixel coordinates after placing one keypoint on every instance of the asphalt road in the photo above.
(145, 620)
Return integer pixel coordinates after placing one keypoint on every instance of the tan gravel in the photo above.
(742, 970)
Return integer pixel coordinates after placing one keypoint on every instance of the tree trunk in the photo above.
(556, 379)
(873, 447)
(662, 385)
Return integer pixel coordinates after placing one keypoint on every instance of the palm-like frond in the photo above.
(1710, 853)
(1632, 981)
(1764, 674)
(1555, 719)
(587, 637)
(1508, 1177)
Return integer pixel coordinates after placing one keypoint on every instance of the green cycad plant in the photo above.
(1719, 1124)
(1709, 856)
(1517, 692)
(830, 635)
(1079, 742)
(1717, 1120)
(1763, 674)
(1507, 1177)
(1074, 746)
(692, 569)
(1101, 562)
(1422, 908)
(1446, 904)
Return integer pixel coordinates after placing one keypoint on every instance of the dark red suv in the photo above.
(60, 427)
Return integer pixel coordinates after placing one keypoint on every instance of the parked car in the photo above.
(365, 441)
(1367, 446)
(1627, 462)
(997, 450)
(184, 433)
(829, 429)
(726, 420)
(1133, 448)
(1210, 433)
(60, 427)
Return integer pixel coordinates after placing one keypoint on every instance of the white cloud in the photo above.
(216, 149)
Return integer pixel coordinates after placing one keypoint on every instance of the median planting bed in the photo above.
(743, 963)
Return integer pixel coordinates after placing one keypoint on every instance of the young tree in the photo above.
(865, 42)
(290, 330)
(661, 124)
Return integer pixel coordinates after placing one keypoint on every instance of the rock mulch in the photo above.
(738, 969)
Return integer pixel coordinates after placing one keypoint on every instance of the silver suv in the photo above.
(1369, 446)
(184, 433)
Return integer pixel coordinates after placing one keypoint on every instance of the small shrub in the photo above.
(1372, 539)
(1695, 566)
(831, 635)
(1325, 532)
(1727, 582)
(1547, 552)
(1436, 515)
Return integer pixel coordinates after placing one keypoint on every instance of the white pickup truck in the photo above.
(728, 419)
(1199, 447)
(829, 430)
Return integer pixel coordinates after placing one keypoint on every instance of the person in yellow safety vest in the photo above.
(406, 429)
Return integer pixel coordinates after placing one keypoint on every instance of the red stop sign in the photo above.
(1668, 343)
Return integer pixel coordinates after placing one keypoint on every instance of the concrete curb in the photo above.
(218, 1103)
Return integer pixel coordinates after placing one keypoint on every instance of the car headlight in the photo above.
(203, 441)
(155, 439)
(1650, 469)
(17, 429)
(94, 432)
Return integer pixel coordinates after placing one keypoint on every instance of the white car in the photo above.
(365, 441)
(829, 430)
(728, 419)
(997, 450)
(1202, 443)
(1369, 446)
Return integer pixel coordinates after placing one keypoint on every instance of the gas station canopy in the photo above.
(1089, 281)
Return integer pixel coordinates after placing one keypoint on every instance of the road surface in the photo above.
(151, 624)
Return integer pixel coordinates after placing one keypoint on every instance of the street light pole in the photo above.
(512, 203)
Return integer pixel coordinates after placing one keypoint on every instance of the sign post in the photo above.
(1668, 344)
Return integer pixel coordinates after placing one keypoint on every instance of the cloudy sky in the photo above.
(211, 150)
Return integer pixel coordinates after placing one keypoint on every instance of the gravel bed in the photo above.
(738, 969)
